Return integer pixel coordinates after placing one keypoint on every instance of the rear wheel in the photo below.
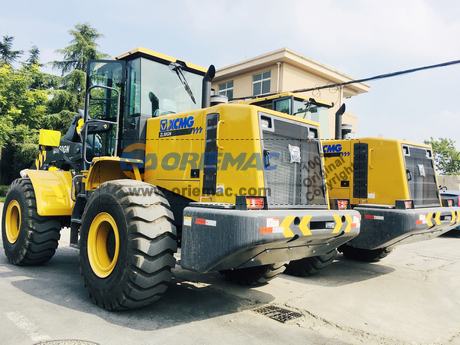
(254, 275)
(127, 245)
(308, 266)
(28, 238)
(368, 255)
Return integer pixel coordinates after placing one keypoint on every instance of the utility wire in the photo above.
(381, 76)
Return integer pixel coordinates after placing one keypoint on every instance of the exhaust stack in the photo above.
(206, 89)
(338, 122)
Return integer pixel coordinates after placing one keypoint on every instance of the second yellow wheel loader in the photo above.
(392, 183)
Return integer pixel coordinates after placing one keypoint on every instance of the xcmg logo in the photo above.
(332, 148)
(179, 123)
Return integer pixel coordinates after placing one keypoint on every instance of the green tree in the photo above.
(82, 48)
(31, 100)
(41, 81)
(22, 111)
(75, 84)
(446, 157)
(7, 55)
(34, 57)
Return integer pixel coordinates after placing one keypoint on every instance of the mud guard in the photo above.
(52, 191)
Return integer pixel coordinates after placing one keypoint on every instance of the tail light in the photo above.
(244, 202)
(404, 204)
(447, 202)
(339, 204)
(458, 200)
(253, 203)
(342, 204)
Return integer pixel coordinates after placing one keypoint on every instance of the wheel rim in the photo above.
(13, 221)
(103, 244)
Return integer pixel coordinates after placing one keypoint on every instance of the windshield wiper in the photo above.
(176, 67)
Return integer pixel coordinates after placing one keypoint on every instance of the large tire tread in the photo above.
(38, 236)
(366, 255)
(256, 275)
(151, 243)
(311, 265)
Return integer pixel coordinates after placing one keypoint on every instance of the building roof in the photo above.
(292, 58)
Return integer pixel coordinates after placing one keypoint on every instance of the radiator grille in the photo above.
(421, 176)
(292, 183)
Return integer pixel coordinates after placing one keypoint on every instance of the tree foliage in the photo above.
(82, 48)
(7, 55)
(31, 100)
(446, 157)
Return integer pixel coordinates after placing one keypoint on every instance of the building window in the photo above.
(226, 89)
(261, 83)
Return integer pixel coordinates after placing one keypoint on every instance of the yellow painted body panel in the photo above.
(170, 159)
(49, 138)
(111, 168)
(52, 192)
(387, 179)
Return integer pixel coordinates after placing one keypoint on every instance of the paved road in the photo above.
(411, 297)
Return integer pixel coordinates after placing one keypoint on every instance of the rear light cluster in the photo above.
(253, 203)
(448, 202)
(244, 202)
(340, 204)
(404, 204)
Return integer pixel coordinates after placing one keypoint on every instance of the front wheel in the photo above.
(28, 238)
(367, 255)
(127, 245)
(254, 275)
(308, 266)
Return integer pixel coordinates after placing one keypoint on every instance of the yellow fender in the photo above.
(52, 192)
(109, 168)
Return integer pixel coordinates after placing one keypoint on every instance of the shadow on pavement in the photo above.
(452, 234)
(345, 271)
(59, 282)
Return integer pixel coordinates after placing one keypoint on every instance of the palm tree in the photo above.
(8, 56)
(82, 48)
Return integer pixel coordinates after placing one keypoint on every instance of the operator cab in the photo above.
(122, 94)
(299, 106)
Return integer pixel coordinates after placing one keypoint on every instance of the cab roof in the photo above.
(288, 94)
(152, 55)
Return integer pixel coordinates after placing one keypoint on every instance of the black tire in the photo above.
(366, 255)
(308, 266)
(28, 239)
(137, 272)
(256, 275)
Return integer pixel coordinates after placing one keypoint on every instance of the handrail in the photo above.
(86, 121)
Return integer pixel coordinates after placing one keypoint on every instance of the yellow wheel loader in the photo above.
(392, 183)
(154, 163)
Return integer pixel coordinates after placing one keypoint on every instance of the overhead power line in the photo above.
(381, 76)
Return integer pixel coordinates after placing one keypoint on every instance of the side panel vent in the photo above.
(210, 155)
(360, 171)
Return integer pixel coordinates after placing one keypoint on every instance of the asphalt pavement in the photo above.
(410, 297)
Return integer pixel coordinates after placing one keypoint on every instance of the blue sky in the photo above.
(360, 38)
